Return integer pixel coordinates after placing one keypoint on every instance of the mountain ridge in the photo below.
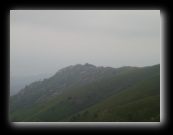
(70, 76)
(77, 87)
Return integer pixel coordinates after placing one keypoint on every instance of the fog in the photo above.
(44, 41)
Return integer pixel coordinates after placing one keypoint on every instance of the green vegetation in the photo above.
(122, 95)
(139, 103)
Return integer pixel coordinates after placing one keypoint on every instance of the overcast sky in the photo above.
(44, 41)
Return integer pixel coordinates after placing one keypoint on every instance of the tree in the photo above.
(69, 98)
(130, 116)
(95, 115)
(85, 113)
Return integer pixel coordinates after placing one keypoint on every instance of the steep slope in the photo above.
(17, 83)
(140, 103)
(64, 79)
(77, 98)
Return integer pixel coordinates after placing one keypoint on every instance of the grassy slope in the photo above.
(139, 103)
(98, 95)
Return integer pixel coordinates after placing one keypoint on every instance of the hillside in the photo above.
(90, 93)
(17, 83)
(138, 103)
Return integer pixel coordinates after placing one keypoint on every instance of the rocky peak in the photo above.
(89, 65)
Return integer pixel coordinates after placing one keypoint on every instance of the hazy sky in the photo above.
(44, 41)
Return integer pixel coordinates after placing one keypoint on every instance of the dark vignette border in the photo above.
(15, 127)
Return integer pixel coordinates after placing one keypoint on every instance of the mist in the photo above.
(44, 41)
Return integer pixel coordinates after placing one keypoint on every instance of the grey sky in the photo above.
(43, 41)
